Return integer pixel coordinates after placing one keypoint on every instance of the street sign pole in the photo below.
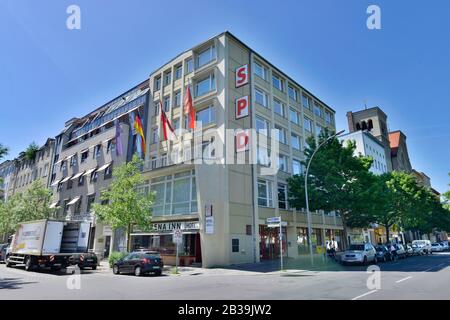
(281, 246)
(177, 239)
(176, 259)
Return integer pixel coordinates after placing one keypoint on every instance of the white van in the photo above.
(424, 245)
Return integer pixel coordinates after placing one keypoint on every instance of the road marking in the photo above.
(365, 294)
(404, 279)
(438, 266)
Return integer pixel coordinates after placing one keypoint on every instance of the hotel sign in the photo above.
(171, 226)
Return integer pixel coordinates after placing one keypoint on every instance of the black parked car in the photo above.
(140, 263)
(383, 253)
(3, 252)
(84, 260)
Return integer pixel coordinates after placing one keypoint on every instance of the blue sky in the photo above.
(49, 74)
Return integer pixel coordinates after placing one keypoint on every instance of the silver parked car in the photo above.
(360, 253)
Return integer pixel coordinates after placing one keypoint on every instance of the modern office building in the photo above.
(84, 158)
(399, 152)
(222, 206)
(374, 120)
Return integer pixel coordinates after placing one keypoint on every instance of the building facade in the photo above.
(6, 171)
(217, 190)
(26, 171)
(84, 158)
(399, 152)
(374, 120)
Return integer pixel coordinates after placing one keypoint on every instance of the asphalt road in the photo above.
(425, 277)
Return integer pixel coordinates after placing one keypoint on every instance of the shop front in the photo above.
(269, 246)
(160, 239)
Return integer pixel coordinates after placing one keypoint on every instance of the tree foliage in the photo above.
(124, 204)
(33, 204)
(3, 151)
(30, 152)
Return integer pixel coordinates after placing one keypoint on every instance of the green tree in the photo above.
(3, 151)
(33, 204)
(337, 181)
(30, 152)
(124, 204)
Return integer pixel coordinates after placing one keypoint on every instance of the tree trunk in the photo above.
(129, 238)
(387, 232)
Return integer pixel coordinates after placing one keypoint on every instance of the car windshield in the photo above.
(379, 248)
(356, 247)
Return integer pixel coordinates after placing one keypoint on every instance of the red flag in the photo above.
(189, 108)
(168, 134)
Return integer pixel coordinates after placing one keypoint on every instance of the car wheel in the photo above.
(158, 273)
(28, 264)
(116, 269)
(365, 261)
(138, 271)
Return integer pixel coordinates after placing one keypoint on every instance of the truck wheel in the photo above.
(28, 264)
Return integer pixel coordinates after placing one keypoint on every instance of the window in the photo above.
(281, 134)
(81, 180)
(84, 155)
(234, 245)
(318, 110)
(63, 165)
(282, 196)
(296, 167)
(78, 206)
(282, 163)
(265, 193)
(206, 56)
(73, 160)
(260, 71)
(178, 71)
(94, 176)
(66, 206)
(189, 65)
(177, 99)
(176, 124)
(108, 172)
(155, 108)
(155, 135)
(97, 151)
(293, 93)
(306, 102)
(318, 130)
(154, 162)
(90, 201)
(295, 141)
(327, 117)
(69, 184)
(293, 116)
(262, 126)
(205, 86)
(278, 107)
(157, 83)
(261, 97)
(111, 146)
(167, 104)
(167, 78)
(307, 123)
(263, 156)
(277, 82)
(206, 116)
(174, 194)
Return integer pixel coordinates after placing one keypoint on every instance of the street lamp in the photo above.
(308, 214)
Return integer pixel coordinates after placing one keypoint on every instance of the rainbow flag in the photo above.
(140, 138)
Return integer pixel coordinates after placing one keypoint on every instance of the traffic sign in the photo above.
(177, 236)
(273, 220)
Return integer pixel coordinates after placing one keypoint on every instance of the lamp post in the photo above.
(308, 214)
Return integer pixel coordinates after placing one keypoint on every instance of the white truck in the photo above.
(48, 243)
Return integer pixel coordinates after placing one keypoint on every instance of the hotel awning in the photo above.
(89, 171)
(103, 167)
(54, 205)
(66, 179)
(73, 201)
(55, 183)
(79, 174)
